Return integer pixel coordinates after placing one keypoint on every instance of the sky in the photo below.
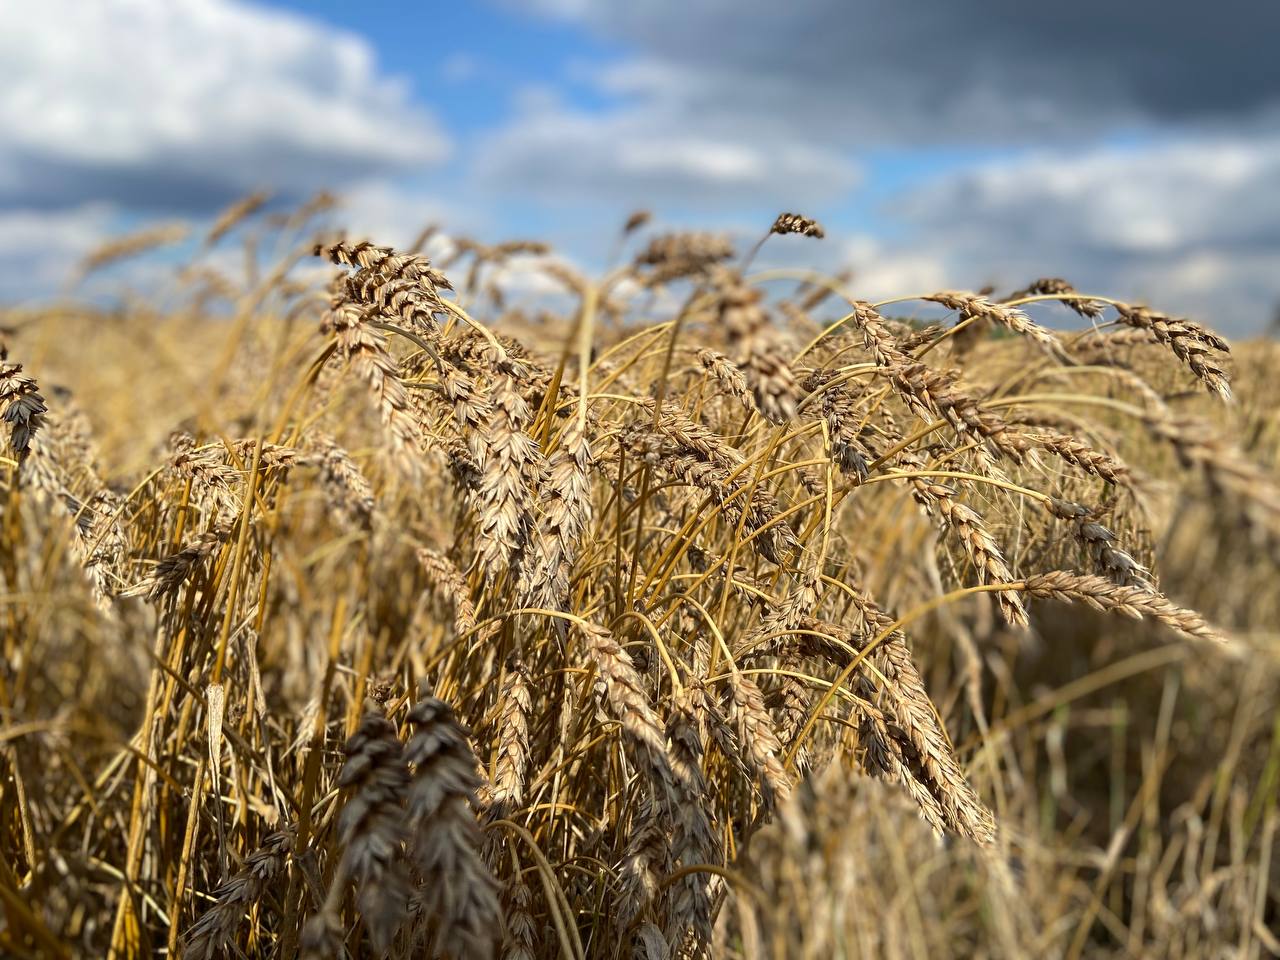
(1131, 147)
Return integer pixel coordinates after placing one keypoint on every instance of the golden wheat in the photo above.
(675, 590)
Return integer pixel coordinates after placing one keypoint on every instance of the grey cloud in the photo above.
(903, 68)
(1187, 215)
(750, 103)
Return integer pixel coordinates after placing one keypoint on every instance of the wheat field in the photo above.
(352, 607)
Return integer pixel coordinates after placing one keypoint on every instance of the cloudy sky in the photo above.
(1133, 147)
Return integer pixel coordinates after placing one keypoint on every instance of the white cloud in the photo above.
(394, 215)
(44, 246)
(188, 102)
(730, 110)
(1191, 225)
(645, 155)
(734, 105)
(1134, 200)
(880, 271)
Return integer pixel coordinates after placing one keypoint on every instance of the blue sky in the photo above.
(1133, 148)
(467, 59)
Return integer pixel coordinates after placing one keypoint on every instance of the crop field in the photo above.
(357, 604)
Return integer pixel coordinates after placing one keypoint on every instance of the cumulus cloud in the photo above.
(718, 113)
(395, 214)
(631, 157)
(1189, 224)
(184, 104)
(883, 270)
(45, 245)
(1187, 215)
(1141, 200)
